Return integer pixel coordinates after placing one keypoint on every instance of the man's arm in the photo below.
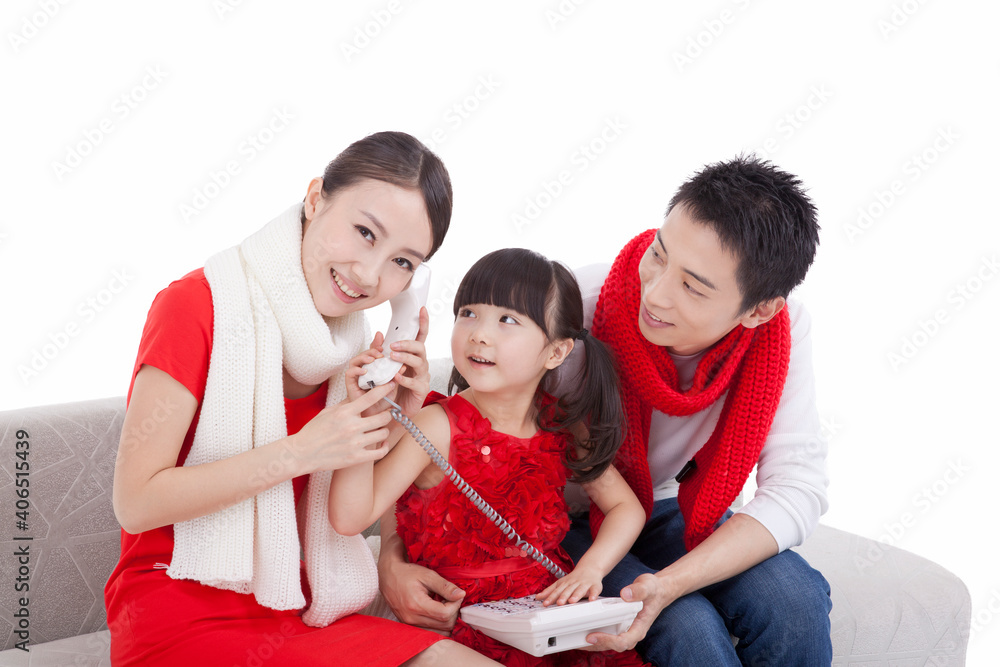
(791, 470)
(791, 496)
(736, 546)
(418, 596)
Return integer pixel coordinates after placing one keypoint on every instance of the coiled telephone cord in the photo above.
(469, 492)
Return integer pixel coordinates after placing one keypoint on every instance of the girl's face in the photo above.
(501, 350)
(360, 246)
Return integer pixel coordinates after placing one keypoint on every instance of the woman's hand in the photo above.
(582, 582)
(343, 435)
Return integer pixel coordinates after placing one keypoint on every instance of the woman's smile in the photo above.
(345, 288)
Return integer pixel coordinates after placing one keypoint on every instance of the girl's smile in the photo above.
(481, 361)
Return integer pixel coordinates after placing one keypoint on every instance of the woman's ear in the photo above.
(313, 196)
(558, 352)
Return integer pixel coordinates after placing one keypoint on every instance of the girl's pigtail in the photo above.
(456, 382)
(593, 402)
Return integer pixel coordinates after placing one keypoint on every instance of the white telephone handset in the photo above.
(404, 325)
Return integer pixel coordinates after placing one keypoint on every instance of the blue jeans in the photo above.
(778, 610)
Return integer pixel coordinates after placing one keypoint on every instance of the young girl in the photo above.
(518, 316)
(237, 414)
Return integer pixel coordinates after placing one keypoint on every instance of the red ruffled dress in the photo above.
(523, 479)
(159, 621)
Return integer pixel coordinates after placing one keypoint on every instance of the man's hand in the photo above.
(736, 546)
(419, 596)
(651, 591)
(416, 595)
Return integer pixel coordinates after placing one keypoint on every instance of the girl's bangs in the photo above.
(513, 278)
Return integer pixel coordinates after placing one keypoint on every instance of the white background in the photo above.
(142, 102)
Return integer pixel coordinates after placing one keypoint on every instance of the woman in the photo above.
(238, 413)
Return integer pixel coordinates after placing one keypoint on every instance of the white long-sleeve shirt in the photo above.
(791, 471)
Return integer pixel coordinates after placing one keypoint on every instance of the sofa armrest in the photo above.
(75, 538)
(889, 606)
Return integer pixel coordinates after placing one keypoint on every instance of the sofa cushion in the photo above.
(90, 650)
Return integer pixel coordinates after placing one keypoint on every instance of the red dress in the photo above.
(523, 479)
(156, 620)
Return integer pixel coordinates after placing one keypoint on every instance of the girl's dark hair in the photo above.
(399, 159)
(547, 292)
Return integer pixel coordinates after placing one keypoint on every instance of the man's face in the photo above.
(690, 297)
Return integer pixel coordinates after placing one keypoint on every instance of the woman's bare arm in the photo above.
(150, 490)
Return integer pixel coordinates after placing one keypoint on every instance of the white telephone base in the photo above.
(527, 625)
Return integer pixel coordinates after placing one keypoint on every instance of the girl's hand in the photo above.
(355, 371)
(343, 435)
(414, 378)
(582, 582)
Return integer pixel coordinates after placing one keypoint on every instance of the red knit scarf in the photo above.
(750, 363)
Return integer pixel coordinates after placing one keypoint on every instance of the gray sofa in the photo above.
(890, 607)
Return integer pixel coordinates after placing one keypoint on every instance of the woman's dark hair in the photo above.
(547, 292)
(399, 159)
(763, 216)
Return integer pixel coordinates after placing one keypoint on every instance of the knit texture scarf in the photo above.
(265, 319)
(751, 364)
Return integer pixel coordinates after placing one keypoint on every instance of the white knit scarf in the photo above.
(265, 319)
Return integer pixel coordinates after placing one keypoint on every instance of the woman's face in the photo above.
(360, 246)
